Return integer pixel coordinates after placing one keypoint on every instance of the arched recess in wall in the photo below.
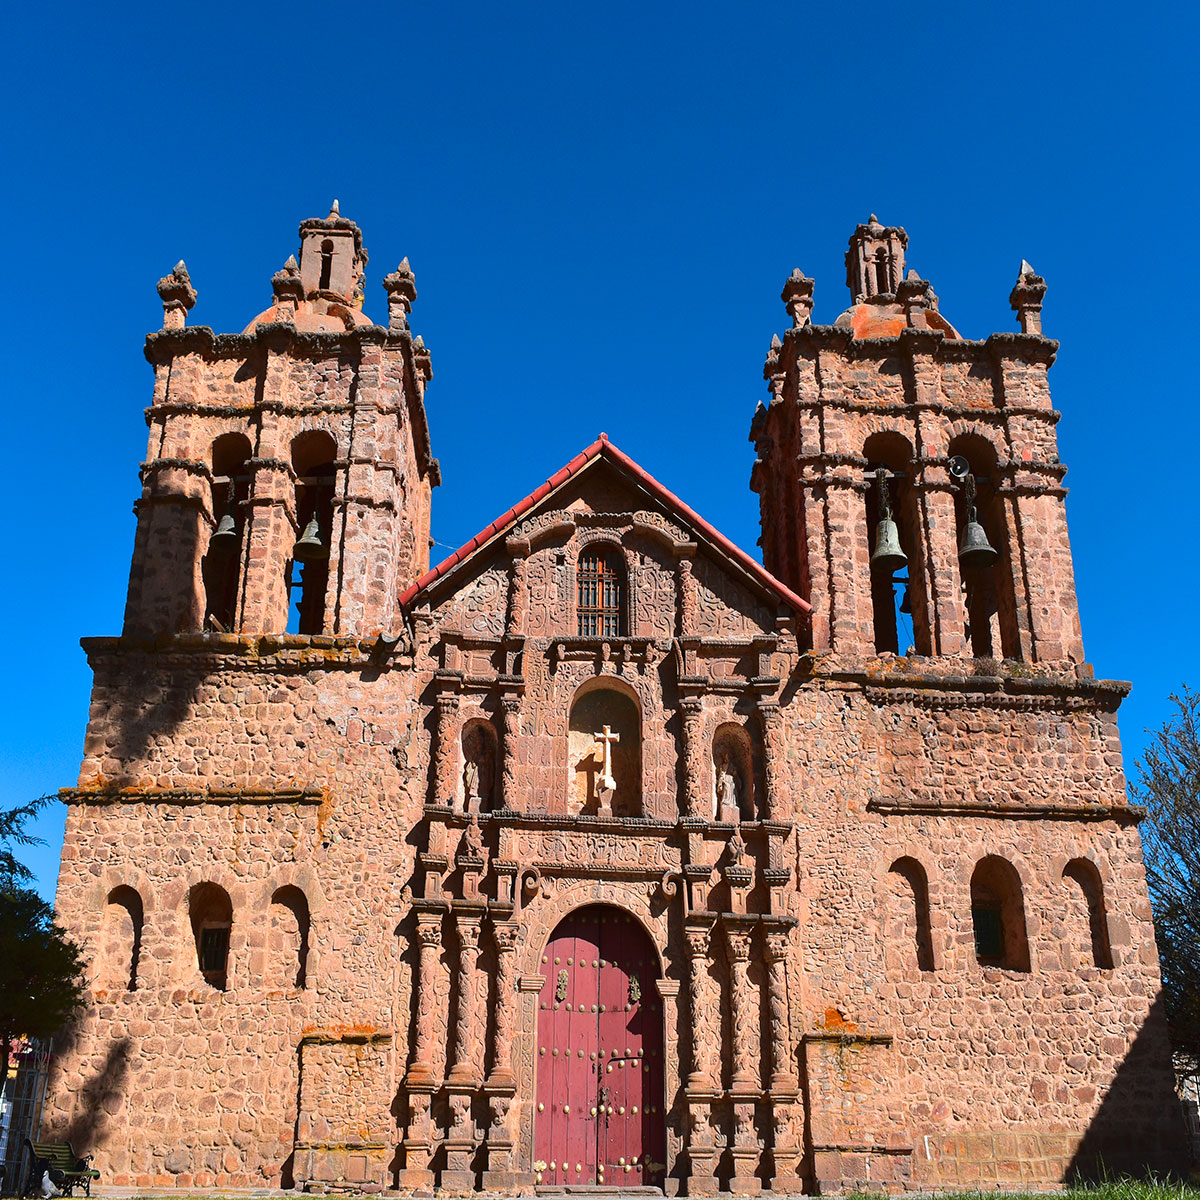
(287, 942)
(601, 591)
(478, 782)
(998, 915)
(1086, 877)
(604, 750)
(899, 598)
(210, 912)
(120, 950)
(221, 569)
(990, 600)
(908, 933)
(733, 774)
(313, 457)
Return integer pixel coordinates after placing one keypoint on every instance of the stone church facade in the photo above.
(601, 854)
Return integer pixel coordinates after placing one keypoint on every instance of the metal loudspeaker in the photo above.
(225, 537)
(310, 548)
(887, 555)
(959, 467)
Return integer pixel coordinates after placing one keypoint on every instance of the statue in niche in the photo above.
(477, 770)
(471, 845)
(729, 788)
(737, 849)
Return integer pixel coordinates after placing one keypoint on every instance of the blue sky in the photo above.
(600, 204)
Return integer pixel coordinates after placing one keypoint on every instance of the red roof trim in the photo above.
(603, 446)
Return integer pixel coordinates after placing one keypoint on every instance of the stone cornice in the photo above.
(115, 794)
(898, 806)
(809, 340)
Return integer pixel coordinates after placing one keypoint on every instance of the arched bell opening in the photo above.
(604, 750)
(313, 454)
(118, 958)
(984, 549)
(899, 601)
(599, 1116)
(221, 569)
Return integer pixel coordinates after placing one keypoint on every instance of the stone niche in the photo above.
(343, 1128)
(599, 705)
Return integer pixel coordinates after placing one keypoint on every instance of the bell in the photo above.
(310, 548)
(887, 555)
(906, 602)
(225, 537)
(976, 550)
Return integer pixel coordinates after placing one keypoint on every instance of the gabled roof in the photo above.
(603, 449)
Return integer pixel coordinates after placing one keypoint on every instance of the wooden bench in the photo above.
(58, 1156)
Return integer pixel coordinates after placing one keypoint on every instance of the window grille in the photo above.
(989, 932)
(601, 596)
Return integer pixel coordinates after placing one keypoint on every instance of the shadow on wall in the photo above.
(99, 1099)
(1138, 1129)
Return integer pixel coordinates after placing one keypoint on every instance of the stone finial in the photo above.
(1026, 299)
(177, 295)
(915, 296)
(401, 287)
(333, 211)
(288, 289)
(422, 358)
(797, 296)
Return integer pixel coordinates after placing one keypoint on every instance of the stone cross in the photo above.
(606, 739)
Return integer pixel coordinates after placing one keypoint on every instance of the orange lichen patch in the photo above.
(834, 1022)
(355, 1030)
(888, 320)
(324, 812)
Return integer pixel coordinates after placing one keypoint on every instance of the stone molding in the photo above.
(113, 794)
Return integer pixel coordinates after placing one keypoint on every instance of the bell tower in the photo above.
(909, 479)
(287, 481)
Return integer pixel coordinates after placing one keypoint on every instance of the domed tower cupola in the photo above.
(332, 258)
(875, 260)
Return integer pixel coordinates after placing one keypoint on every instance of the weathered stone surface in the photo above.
(389, 830)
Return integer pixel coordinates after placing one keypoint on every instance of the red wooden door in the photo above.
(600, 1091)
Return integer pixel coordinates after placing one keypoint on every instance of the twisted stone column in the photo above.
(783, 1078)
(466, 1035)
(737, 944)
(505, 937)
(692, 715)
(771, 720)
(429, 945)
(445, 750)
(510, 709)
(701, 1050)
(515, 622)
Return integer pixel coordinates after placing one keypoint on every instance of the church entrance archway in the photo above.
(600, 1083)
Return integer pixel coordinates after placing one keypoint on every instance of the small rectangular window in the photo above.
(989, 933)
(214, 950)
(601, 597)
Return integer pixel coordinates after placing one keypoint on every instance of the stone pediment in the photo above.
(683, 579)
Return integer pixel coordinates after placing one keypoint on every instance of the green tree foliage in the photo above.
(42, 983)
(1169, 787)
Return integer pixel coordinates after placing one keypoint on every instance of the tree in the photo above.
(42, 983)
(1169, 787)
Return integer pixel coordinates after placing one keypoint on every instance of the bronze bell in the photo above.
(887, 555)
(225, 537)
(976, 550)
(310, 548)
(906, 601)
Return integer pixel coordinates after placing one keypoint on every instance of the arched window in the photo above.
(909, 928)
(211, 914)
(313, 456)
(1085, 874)
(288, 946)
(121, 944)
(998, 915)
(883, 272)
(601, 593)
(222, 566)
